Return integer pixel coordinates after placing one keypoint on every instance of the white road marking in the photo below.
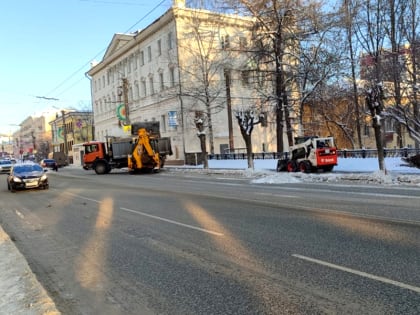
(20, 214)
(155, 217)
(172, 221)
(359, 273)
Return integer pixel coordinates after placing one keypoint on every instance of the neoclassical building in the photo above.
(186, 63)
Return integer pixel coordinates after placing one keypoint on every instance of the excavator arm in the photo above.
(143, 155)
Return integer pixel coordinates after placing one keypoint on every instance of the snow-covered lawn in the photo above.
(350, 170)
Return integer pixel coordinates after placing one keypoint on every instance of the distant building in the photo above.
(69, 128)
(389, 66)
(33, 139)
(6, 146)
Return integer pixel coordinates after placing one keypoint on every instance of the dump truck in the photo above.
(144, 151)
(310, 154)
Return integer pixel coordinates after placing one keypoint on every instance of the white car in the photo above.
(5, 166)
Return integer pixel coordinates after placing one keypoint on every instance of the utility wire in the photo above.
(99, 53)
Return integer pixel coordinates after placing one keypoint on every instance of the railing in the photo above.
(360, 153)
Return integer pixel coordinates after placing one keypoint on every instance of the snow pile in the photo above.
(358, 170)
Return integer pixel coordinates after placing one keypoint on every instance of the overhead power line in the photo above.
(98, 54)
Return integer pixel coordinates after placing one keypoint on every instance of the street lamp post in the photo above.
(66, 150)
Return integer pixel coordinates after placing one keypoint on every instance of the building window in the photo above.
(159, 47)
(136, 90)
(149, 53)
(135, 62)
(242, 42)
(163, 123)
(161, 82)
(130, 94)
(142, 58)
(172, 76)
(143, 88)
(225, 42)
(366, 130)
(152, 89)
(170, 40)
(129, 62)
(389, 125)
(245, 77)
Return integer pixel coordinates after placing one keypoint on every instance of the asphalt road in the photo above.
(177, 243)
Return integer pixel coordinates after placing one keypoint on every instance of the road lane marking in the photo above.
(304, 208)
(373, 194)
(277, 195)
(155, 217)
(359, 273)
(172, 221)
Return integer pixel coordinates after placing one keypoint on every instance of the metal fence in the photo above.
(360, 153)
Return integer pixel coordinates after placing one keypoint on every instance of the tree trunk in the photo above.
(379, 144)
(204, 151)
(249, 151)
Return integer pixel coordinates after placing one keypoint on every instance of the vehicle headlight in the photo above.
(17, 179)
(44, 177)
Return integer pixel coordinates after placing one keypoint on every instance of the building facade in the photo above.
(33, 139)
(70, 128)
(187, 63)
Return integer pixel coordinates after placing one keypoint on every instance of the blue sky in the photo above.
(47, 47)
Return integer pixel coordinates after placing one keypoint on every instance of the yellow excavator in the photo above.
(145, 154)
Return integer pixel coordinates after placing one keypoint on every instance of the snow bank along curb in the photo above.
(21, 293)
(273, 177)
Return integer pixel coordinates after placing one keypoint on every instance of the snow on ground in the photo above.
(349, 170)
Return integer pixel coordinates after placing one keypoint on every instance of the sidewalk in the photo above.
(20, 291)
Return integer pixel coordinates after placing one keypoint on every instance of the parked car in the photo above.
(49, 163)
(59, 157)
(5, 166)
(27, 176)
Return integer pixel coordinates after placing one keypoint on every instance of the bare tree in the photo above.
(320, 64)
(350, 9)
(403, 31)
(370, 33)
(246, 119)
(201, 134)
(331, 110)
(202, 72)
(280, 27)
(374, 101)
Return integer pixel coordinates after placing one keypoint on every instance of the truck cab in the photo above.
(93, 151)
